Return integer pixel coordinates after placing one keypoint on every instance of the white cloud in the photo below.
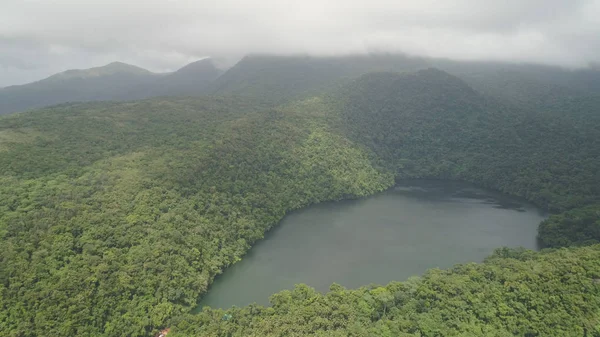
(45, 36)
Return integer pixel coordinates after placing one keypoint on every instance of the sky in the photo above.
(41, 37)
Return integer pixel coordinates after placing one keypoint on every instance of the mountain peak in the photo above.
(200, 65)
(191, 79)
(109, 69)
(117, 65)
(202, 69)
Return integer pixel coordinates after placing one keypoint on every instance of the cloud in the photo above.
(39, 37)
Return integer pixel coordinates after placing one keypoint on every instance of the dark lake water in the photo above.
(390, 236)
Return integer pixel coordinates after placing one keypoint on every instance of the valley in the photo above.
(116, 217)
(394, 235)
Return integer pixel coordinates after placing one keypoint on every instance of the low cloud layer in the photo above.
(41, 37)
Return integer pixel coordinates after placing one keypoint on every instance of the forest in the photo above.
(116, 217)
(513, 293)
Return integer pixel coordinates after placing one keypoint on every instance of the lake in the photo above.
(394, 235)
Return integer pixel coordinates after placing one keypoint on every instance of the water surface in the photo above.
(399, 233)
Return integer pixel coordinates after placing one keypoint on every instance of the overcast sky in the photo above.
(42, 37)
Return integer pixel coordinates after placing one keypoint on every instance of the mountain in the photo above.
(115, 81)
(107, 70)
(525, 85)
(282, 78)
(431, 123)
(101, 83)
(192, 79)
(115, 217)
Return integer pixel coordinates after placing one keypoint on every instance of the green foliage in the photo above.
(114, 217)
(282, 79)
(115, 81)
(431, 124)
(580, 226)
(555, 293)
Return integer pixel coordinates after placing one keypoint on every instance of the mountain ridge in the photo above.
(191, 79)
(114, 81)
(108, 69)
(285, 78)
(134, 207)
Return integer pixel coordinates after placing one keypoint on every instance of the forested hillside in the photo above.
(431, 124)
(525, 85)
(191, 80)
(116, 81)
(115, 217)
(434, 123)
(107, 82)
(282, 79)
(514, 293)
(285, 78)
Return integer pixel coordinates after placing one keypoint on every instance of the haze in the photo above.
(39, 38)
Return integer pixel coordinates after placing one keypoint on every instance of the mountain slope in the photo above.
(526, 85)
(101, 83)
(109, 69)
(513, 293)
(432, 124)
(115, 81)
(436, 124)
(282, 78)
(192, 79)
(115, 217)
(127, 211)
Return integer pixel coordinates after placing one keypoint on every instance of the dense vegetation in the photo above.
(579, 226)
(108, 82)
(514, 293)
(281, 79)
(431, 124)
(115, 81)
(115, 217)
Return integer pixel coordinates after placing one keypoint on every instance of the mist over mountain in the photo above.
(135, 207)
(115, 81)
(44, 37)
(101, 83)
(227, 168)
(283, 78)
(192, 79)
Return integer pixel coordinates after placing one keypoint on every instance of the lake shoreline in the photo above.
(446, 184)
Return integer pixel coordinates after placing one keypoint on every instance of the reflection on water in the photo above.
(402, 232)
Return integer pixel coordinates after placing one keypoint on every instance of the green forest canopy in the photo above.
(115, 217)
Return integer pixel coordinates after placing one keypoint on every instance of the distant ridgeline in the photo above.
(116, 217)
(280, 79)
(116, 82)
